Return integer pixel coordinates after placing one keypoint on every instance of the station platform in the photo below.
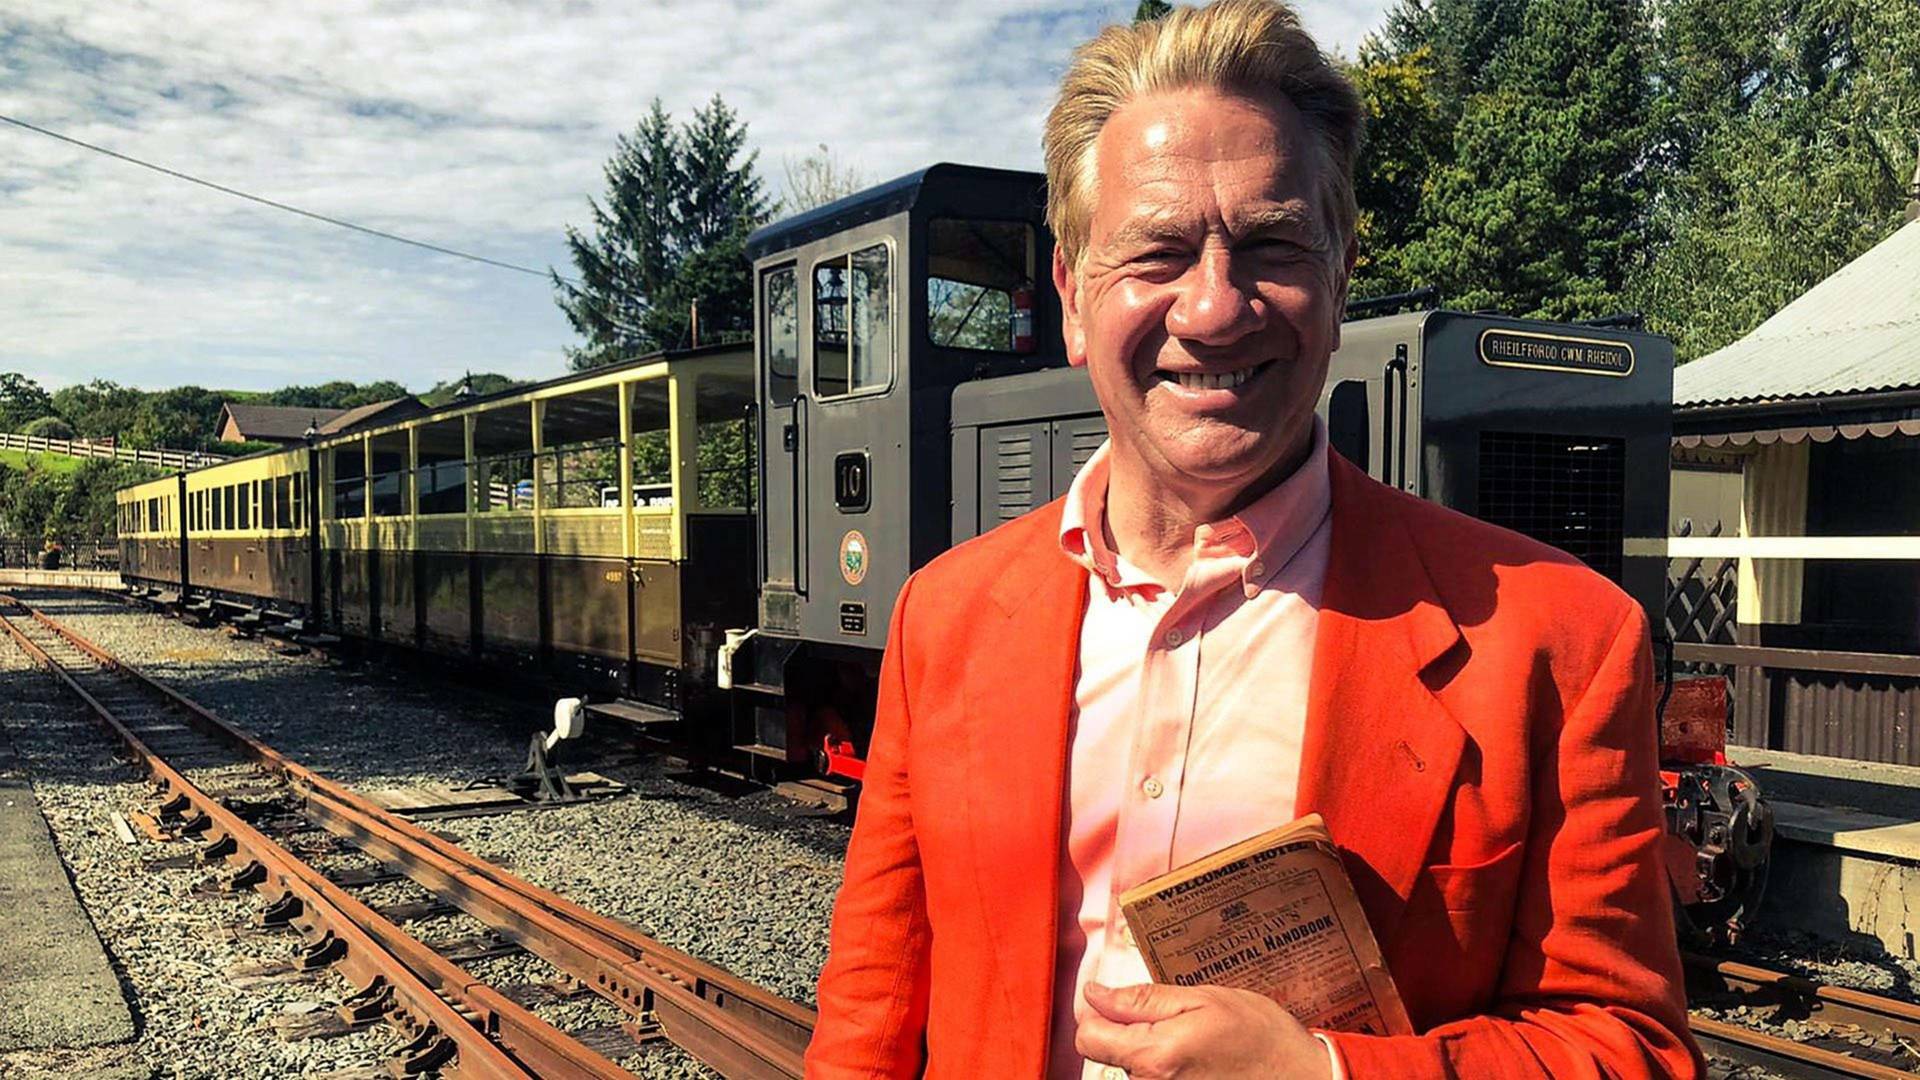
(1846, 862)
(60, 579)
(57, 988)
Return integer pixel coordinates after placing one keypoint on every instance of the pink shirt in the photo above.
(1189, 709)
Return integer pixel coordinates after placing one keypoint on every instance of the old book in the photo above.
(1275, 914)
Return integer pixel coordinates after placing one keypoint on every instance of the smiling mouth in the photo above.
(1211, 380)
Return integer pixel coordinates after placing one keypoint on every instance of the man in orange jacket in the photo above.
(1224, 626)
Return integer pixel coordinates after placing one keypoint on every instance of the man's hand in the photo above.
(1159, 1032)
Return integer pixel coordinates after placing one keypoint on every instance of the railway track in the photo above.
(459, 1026)
(1793, 998)
(454, 1023)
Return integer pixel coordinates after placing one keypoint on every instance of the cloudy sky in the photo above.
(479, 125)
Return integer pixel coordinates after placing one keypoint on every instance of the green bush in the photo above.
(48, 427)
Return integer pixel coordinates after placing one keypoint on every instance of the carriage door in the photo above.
(781, 535)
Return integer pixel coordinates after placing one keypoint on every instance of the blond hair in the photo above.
(1254, 48)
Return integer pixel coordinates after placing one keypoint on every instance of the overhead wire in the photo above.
(286, 207)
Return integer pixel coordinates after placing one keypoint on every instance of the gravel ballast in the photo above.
(745, 882)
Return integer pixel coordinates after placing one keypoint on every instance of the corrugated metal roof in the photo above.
(1857, 331)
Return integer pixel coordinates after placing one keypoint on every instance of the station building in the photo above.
(1796, 506)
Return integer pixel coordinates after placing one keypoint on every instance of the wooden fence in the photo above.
(165, 459)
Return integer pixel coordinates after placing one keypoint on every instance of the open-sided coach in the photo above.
(1223, 626)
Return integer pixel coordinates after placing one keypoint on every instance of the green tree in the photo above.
(84, 504)
(475, 385)
(724, 200)
(670, 236)
(22, 401)
(1408, 138)
(1151, 9)
(1541, 212)
(183, 418)
(627, 262)
(338, 394)
(99, 409)
(1786, 144)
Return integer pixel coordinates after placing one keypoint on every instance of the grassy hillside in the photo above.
(51, 464)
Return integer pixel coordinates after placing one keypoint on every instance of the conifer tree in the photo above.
(1541, 212)
(670, 235)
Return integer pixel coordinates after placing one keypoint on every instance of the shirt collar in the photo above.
(1266, 534)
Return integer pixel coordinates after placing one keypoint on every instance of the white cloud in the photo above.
(481, 126)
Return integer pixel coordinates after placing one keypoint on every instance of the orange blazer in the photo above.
(1479, 736)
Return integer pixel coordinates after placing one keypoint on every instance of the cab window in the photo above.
(780, 320)
(853, 323)
(980, 285)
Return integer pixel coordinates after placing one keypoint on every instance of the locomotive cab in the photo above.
(870, 311)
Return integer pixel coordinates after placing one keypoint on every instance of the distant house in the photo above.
(289, 424)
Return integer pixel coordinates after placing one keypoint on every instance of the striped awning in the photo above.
(1820, 433)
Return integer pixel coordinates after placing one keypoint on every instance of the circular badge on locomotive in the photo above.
(853, 557)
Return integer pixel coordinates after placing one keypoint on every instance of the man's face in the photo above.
(1210, 296)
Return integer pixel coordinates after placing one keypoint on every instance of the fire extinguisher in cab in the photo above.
(1023, 318)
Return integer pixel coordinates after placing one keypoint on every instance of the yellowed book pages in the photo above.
(1275, 914)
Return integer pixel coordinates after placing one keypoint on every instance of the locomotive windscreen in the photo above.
(1566, 491)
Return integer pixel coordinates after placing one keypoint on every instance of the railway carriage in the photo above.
(714, 539)
(596, 526)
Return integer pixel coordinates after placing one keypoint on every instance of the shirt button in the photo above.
(1113, 1073)
(1174, 638)
(1153, 787)
(1256, 568)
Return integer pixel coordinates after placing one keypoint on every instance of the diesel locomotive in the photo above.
(712, 539)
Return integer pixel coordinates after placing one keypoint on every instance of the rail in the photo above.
(83, 448)
(365, 946)
(733, 1026)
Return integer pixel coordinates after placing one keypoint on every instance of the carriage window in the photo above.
(780, 294)
(299, 500)
(723, 432)
(242, 516)
(283, 502)
(650, 416)
(579, 460)
(389, 474)
(980, 285)
(853, 323)
(503, 459)
(350, 480)
(440, 474)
